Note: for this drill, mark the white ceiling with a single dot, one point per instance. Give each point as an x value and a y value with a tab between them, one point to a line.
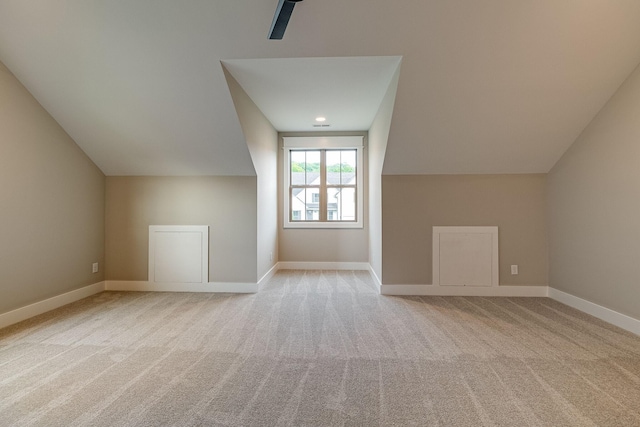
486	86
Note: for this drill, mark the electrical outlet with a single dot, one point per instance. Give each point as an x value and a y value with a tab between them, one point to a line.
514	269
94	267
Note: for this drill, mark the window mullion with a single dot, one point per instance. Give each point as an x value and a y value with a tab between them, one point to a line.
323	185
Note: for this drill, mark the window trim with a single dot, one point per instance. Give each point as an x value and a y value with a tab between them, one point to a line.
321	143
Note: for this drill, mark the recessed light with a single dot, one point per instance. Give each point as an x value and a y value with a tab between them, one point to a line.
320	119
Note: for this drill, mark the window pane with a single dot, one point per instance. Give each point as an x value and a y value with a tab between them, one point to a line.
348	167
297	203
312	167
341	204
305	167
341	167
304	206
333	167
312	207
298	167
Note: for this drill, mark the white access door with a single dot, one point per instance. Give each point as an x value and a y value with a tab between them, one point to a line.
178	254
465	256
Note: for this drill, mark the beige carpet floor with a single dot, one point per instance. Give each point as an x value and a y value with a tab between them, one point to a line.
317	348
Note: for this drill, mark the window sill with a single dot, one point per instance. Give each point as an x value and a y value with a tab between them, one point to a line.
323	225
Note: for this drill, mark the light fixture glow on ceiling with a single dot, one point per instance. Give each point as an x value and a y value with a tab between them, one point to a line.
320	119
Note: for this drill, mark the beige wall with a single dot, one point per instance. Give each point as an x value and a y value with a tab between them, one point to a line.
262	140
52	204
226	204
413	204
594	208
322	245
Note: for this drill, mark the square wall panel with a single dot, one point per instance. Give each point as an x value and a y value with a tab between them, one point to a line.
465	256
178	254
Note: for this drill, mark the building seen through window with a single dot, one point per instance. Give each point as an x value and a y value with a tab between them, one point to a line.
323	185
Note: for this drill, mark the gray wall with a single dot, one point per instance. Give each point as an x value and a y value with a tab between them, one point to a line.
262	140
322	245
226	204
52	204
594	208
413	204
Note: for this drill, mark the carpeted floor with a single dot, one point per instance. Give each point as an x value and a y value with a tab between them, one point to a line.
317	348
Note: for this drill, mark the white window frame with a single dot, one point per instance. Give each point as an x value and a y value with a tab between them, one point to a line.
324	142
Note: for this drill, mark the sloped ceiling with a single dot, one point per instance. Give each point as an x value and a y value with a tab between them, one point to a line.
487	86
292	92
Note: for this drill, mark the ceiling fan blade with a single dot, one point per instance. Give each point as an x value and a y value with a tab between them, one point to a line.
281	18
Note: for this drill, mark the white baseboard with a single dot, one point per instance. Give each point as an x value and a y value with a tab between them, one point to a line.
144	286
35	309
296	265
268	275
376	279
618	319
466	291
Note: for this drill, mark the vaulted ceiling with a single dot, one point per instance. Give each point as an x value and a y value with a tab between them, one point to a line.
486	86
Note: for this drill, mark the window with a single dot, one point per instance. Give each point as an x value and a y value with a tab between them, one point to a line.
323	178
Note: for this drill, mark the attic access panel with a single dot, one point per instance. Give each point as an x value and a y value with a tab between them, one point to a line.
465	256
